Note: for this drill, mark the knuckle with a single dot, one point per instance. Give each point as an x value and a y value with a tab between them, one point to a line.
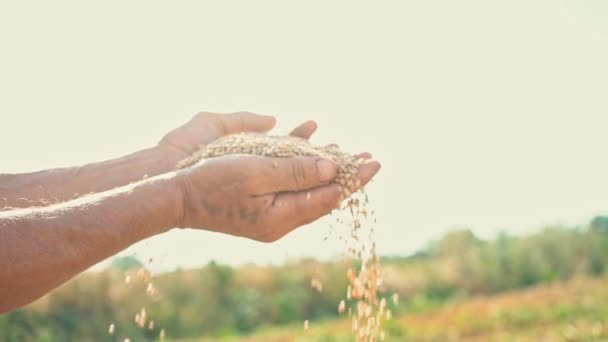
298	174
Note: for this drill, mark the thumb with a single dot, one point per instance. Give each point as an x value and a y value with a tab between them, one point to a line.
294	174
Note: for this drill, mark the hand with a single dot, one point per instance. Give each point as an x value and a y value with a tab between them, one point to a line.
204	128
258	197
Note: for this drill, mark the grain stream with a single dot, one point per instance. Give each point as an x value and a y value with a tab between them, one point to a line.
365	308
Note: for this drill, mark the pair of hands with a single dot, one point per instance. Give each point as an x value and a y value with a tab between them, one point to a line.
257	197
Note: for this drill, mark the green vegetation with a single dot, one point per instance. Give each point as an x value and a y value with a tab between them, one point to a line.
440	287
576	310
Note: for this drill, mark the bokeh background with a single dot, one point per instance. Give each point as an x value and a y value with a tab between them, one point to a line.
489	119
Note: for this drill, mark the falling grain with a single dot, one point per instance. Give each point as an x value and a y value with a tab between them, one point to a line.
150	290
365	283
317	285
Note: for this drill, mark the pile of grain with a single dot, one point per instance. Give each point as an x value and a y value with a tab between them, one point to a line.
281	147
364	306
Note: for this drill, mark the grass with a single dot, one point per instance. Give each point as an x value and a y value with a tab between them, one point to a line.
576	310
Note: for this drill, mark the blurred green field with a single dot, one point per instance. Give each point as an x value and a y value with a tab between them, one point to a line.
551	285
576	310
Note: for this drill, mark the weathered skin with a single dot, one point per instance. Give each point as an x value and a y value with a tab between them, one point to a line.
47	236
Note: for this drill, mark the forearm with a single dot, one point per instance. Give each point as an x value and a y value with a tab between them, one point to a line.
59	185
42	248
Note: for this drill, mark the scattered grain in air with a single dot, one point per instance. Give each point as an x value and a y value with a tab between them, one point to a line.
150	290
306	325
141	318
317	285
151	260
111	329
368	311
143	274
396	299
365	283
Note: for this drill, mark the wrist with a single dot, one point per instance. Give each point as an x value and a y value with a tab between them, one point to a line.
183	185
164	196
192	206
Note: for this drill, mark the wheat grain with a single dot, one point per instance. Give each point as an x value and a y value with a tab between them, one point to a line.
282	147
362	291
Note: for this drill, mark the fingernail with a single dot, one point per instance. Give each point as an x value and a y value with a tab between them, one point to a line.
378	166
326	170
375	166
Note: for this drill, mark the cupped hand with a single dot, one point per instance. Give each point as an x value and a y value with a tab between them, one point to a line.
205	127
261	198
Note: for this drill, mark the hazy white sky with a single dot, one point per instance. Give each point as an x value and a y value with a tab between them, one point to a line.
485	114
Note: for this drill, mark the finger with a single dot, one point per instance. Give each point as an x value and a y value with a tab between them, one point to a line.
364	155
290	174
240	122
294	209
305	130
367	171
247	122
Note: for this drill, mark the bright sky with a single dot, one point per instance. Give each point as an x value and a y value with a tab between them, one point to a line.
485	114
